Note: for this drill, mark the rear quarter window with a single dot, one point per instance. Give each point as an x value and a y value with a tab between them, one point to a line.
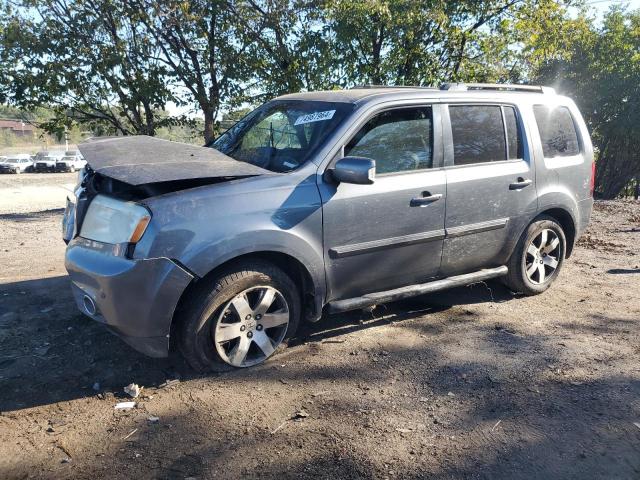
557	131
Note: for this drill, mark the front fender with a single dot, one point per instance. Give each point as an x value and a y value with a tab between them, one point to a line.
212	256
206	227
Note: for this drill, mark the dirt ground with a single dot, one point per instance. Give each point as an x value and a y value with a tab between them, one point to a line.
470	383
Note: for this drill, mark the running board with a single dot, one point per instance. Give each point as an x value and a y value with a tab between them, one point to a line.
413	290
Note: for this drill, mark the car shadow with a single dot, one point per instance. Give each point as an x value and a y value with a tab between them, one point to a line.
623	271
31	216
511	399
51	353
335	325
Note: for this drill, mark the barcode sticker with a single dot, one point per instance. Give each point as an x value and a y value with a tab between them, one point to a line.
315	117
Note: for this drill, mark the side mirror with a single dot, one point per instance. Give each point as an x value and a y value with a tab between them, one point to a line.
358	170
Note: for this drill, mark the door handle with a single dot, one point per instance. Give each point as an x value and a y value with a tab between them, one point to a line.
425	199
521	183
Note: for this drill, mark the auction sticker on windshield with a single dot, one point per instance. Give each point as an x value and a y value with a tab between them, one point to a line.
315	117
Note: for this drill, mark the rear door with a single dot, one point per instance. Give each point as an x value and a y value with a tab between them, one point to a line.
389	234
491	192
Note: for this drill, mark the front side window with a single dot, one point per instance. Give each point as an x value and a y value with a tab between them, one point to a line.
398	140
478	134
282	135
557	131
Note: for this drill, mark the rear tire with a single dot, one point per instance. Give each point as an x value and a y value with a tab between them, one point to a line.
538	257
224	321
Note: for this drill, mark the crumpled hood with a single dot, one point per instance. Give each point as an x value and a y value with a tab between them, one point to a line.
139	160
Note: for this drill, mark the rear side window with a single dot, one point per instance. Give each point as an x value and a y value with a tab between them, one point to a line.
398	140
478	134
557	131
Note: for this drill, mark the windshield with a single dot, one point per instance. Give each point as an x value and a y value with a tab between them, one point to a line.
12	160
281	135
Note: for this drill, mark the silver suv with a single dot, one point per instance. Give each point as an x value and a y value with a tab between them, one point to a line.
325	202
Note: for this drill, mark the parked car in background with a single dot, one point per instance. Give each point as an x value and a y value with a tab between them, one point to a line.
71	162
326	202
45	162
16	165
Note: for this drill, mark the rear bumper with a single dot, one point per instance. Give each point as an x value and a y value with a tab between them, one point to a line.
136	299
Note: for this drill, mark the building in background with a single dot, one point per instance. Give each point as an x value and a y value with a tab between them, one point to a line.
18	128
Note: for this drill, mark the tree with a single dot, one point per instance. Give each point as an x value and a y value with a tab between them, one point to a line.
404	42
289	46
601	70
89	60
200	48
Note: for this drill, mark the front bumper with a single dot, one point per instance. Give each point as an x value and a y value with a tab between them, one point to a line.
136	299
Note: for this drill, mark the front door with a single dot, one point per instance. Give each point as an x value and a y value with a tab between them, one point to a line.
389	234
491	192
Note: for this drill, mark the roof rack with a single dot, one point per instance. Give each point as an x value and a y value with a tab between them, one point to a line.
497	86
360	87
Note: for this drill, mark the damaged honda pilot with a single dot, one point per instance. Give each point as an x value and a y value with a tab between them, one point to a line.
324	202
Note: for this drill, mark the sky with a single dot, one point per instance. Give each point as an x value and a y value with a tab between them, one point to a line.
601	6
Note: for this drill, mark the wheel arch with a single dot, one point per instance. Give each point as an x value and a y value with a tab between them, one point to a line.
296	270
567	222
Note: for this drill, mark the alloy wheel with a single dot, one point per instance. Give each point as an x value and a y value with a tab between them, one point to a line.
251	326
543	256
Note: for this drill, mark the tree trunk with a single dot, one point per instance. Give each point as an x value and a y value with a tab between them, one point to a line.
209	124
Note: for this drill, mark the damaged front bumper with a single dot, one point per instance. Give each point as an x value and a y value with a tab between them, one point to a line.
136	299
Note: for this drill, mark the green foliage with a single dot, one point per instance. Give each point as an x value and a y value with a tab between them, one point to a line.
89	61
404	42
199	50
112	66
600	68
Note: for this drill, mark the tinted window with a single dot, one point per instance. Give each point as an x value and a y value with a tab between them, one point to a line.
398	140
514	138
557	131
478	134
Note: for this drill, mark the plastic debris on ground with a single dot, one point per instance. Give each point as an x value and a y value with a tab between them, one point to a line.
133	390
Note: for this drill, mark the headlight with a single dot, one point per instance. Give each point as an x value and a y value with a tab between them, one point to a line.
113	221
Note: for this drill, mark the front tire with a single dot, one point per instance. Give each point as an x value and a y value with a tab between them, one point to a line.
538	257
238	318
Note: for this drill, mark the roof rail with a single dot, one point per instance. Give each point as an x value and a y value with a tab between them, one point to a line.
359	87
497	86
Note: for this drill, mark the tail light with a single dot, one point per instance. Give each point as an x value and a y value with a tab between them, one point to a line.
592	186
